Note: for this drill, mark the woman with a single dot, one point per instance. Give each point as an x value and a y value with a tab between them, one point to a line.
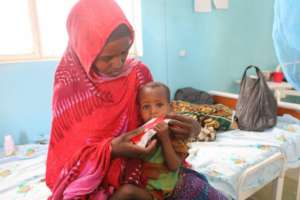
94	106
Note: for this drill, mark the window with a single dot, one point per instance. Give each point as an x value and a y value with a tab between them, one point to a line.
33	32
16	36
132	9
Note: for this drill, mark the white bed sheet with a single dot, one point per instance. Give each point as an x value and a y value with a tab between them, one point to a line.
22	176
224	160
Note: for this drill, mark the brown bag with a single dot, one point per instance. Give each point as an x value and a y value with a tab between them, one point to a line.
256	108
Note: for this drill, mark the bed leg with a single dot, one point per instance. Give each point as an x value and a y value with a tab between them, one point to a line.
298	186
278	187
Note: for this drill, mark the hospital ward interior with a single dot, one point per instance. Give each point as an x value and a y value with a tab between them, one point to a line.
233	71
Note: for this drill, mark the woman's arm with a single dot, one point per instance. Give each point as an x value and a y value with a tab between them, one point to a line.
173	161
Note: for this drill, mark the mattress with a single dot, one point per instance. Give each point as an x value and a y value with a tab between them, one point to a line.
225	160
22	176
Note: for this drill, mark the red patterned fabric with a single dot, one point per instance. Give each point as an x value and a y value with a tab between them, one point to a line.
88	110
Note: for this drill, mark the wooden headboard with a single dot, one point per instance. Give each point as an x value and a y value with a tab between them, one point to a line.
230	100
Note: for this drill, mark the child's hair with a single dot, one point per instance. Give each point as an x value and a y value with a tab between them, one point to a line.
153	85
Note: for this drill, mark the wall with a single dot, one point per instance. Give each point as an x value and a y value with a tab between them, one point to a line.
25	90
219	45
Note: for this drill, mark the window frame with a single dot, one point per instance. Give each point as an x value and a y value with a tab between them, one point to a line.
37	55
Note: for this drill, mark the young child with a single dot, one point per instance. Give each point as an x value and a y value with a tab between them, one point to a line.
155	176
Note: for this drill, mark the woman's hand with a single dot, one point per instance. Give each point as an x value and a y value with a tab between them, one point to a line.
122	146
182	126
162	131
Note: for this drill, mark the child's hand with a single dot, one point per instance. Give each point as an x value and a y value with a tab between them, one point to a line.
162	131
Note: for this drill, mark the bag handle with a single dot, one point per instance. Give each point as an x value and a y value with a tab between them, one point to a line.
260	76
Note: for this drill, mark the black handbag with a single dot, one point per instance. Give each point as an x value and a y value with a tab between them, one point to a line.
193	95
256	108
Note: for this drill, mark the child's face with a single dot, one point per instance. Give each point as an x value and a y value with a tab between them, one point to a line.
153	103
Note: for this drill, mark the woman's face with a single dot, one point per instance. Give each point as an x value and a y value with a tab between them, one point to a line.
111	60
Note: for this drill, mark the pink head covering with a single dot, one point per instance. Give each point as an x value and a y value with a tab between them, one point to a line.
89	27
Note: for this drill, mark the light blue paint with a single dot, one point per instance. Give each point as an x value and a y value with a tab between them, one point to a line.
219	45
154	38
25	90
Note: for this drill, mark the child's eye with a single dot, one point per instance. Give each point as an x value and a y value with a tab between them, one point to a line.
159	105
146	107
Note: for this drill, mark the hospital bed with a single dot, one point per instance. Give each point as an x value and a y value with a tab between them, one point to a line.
238	163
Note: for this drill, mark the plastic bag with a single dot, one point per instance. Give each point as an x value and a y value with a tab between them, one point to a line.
256	108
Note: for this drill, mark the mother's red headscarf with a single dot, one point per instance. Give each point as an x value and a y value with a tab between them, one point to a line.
88	111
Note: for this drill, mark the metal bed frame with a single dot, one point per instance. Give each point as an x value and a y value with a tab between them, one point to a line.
230	100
